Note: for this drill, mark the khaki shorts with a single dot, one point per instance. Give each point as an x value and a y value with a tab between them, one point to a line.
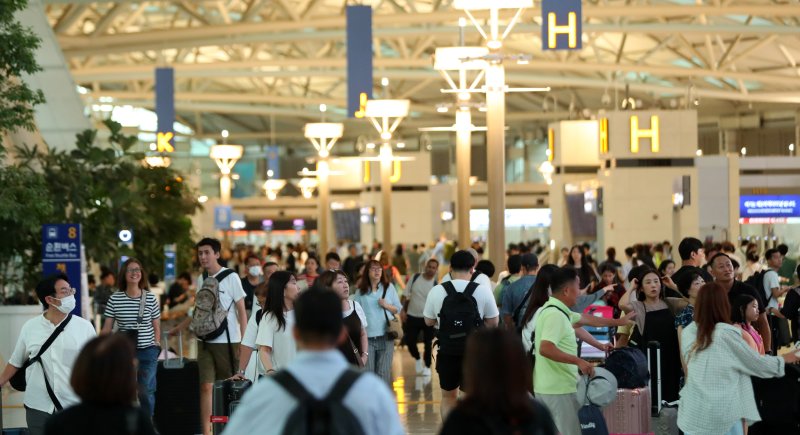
215	362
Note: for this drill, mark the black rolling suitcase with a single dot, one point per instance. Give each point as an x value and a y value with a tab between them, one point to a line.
225	398
11	431
177	408
778	401
665	415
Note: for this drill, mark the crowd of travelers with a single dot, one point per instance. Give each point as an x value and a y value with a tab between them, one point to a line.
318	334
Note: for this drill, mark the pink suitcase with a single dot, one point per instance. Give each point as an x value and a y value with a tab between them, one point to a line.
629	413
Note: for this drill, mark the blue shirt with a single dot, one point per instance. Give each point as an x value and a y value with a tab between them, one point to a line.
514	295
376	321
266	406
685	317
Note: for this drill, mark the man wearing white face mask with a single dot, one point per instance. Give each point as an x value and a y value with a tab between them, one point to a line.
251	280
48	388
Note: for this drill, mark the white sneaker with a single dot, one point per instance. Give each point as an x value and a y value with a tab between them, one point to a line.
426	371
419	366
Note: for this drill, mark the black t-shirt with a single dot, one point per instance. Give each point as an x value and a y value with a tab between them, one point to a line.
462	421
685	272
99	419
248	291
740	288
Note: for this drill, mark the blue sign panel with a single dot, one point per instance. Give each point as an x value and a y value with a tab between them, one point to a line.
222	217
273	161
769	206
61	253
359	59
170	258
561	25
165	109
245	186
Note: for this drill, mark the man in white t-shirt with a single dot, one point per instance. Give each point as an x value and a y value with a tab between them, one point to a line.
772	282
476	276
773	291
217	358
58	299
417	290
449	366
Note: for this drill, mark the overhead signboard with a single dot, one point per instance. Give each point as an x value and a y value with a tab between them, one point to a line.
561	25
757	208
359	59
61	253
165	110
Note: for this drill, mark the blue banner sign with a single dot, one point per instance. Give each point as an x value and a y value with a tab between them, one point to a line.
273	161
61	253
562	25
359	59
165	109
769	206
170	259
223	214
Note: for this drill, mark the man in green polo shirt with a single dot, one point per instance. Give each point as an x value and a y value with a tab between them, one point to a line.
557	364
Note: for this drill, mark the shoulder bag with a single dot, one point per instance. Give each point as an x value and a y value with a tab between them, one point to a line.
18	381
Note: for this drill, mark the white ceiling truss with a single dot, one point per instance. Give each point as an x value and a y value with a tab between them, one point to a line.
249	65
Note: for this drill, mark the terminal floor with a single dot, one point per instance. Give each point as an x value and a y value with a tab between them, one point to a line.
417	398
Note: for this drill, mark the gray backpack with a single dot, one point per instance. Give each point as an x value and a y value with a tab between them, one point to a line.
210	319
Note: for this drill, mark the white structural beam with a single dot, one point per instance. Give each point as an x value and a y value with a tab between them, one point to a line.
435	23
336	68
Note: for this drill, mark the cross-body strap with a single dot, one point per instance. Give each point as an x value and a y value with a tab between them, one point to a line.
292	386
38	358
48	342
385	314
342	386
521	304
142	303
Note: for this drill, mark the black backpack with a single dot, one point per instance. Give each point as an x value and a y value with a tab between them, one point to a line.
757	282
326	416
458	317
629	366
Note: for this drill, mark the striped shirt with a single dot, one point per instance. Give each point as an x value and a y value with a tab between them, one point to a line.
124	310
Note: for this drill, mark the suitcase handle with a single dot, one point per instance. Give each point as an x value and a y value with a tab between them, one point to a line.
172	363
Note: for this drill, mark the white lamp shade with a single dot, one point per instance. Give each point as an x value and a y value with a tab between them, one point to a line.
308	183
226	152
387	108
476	5
327	130
274	184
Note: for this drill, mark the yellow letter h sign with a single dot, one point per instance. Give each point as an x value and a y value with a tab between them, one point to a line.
637	134
571	29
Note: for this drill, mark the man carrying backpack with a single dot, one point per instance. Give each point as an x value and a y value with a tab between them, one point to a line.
457	307
516	295
318	392
219	320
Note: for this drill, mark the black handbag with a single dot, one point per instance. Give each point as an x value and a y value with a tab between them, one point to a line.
18	381
133	334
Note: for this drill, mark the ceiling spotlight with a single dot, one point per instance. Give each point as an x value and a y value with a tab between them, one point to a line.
441	109
225	134
323	108
385	81
370	145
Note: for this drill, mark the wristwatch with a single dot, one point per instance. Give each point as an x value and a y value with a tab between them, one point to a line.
241	372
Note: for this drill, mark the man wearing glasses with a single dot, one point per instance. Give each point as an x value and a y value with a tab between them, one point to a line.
48	388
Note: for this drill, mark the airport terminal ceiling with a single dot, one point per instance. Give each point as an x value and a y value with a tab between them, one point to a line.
261	68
